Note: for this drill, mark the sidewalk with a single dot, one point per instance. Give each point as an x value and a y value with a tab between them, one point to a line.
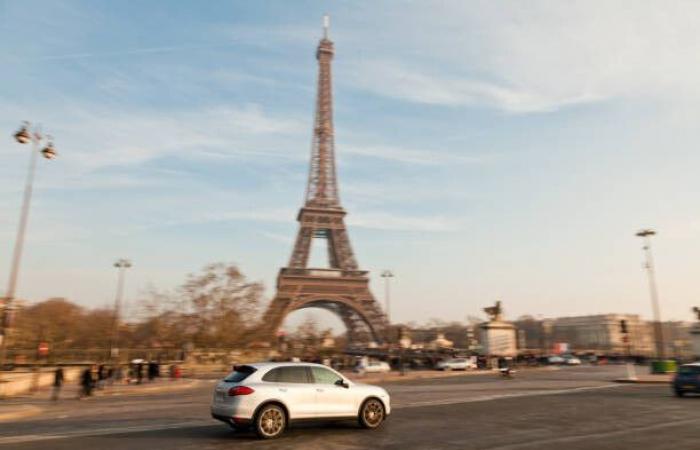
28	405
664	378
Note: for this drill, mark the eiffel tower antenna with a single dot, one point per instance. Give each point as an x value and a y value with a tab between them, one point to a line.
326	25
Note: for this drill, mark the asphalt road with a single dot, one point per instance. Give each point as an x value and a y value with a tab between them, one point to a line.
572	408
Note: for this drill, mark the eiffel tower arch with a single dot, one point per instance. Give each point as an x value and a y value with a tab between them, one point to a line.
342	288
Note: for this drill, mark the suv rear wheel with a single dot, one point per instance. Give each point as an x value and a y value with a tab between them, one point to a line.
270	422
372	413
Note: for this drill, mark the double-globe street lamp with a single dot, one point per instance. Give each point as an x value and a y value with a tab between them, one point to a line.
121	265
41	144
646	235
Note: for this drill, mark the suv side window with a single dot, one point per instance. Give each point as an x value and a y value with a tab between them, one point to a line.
289	374
324	376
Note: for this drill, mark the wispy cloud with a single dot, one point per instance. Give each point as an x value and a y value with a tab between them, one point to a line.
396	222
413	156
125	52
98	138
530	58
395	80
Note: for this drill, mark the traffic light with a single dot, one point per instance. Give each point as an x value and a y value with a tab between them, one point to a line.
623	326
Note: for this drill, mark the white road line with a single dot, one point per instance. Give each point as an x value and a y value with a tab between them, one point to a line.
102	432
487	398
596	435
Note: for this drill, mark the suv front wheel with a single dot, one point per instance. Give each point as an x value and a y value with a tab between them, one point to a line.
372	413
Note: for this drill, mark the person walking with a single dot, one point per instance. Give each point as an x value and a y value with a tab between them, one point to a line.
86	383
57	382
101	376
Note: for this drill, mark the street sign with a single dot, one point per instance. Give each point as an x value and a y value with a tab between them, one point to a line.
43	349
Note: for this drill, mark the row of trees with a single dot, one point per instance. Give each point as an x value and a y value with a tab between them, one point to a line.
218	307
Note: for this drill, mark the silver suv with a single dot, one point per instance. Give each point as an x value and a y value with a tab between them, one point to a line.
269	396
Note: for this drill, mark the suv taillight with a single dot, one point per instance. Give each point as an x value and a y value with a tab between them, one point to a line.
240	390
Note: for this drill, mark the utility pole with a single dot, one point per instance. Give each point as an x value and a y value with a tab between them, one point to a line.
387	275
121	265
649	266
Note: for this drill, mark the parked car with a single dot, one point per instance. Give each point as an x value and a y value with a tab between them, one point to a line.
372	367
270	396
687	379
555	359
456	364
571	360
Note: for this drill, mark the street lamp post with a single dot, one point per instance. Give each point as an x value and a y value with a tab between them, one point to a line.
24	135
121	265
646	235
387	275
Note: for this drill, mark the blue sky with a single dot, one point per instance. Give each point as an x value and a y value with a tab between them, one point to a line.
487	150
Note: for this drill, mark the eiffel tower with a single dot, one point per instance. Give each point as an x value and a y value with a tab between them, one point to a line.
342	288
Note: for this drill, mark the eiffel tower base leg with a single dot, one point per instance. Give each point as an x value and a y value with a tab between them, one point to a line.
347	296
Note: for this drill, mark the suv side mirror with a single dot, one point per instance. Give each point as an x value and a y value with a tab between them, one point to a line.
342	383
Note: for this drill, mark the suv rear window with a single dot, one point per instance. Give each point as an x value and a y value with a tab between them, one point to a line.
239	374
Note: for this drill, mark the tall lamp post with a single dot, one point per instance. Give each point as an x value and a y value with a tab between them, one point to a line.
387	275
121	265
40	144
646	235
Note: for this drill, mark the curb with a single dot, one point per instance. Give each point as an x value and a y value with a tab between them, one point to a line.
20	413
638	381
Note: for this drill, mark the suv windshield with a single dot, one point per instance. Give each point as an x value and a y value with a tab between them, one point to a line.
239	374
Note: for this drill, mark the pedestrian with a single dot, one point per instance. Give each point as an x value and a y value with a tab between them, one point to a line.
57	382
139	373
151	370
86	383
101	376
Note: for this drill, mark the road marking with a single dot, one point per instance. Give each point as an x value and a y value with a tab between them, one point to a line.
101	432
487	398
597	435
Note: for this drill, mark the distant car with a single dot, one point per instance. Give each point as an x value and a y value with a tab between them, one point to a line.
687	379
554	359
572	360
373	367
456	364
269	396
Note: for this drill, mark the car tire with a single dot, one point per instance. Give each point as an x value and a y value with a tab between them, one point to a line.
270	422
372	413
679	392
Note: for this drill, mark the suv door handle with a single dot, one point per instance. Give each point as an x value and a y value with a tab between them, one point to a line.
319	390
283	389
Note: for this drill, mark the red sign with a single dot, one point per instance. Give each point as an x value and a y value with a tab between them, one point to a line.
43	349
